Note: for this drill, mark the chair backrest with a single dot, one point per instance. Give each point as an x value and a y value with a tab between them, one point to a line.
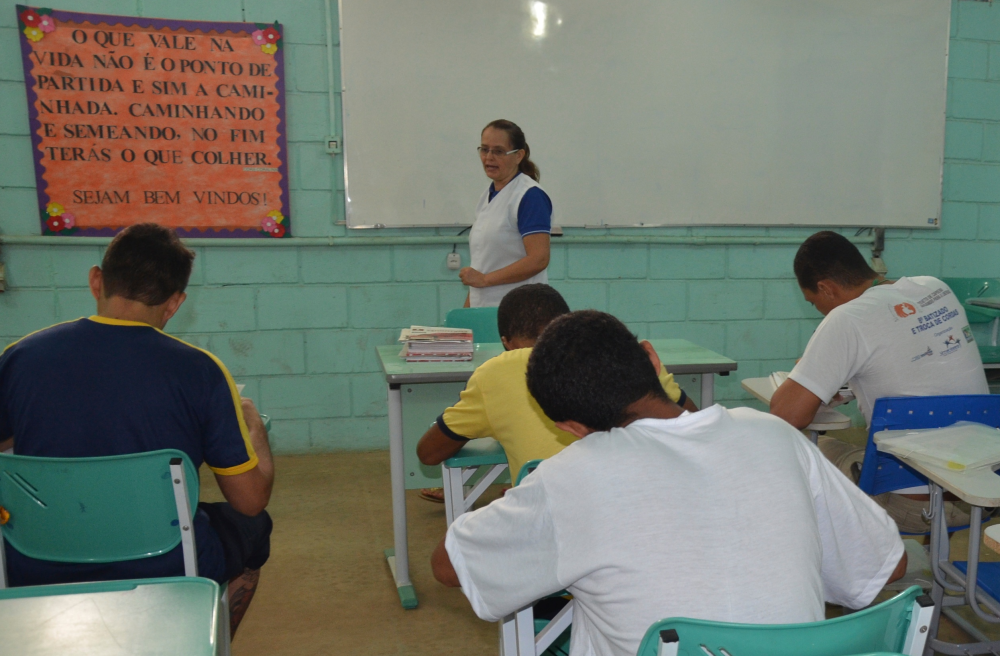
93	510
879	628
881	472
482	321
526	469
966	288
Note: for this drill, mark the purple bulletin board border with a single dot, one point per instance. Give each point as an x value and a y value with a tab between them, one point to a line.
205	27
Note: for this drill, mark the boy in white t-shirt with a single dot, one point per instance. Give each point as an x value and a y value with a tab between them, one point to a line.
727	515
908	337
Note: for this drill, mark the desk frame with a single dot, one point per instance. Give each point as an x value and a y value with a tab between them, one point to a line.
398	557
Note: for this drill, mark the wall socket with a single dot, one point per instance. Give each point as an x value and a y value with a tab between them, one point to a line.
454	261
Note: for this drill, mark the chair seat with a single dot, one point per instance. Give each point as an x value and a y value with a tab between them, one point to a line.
483	451
988	576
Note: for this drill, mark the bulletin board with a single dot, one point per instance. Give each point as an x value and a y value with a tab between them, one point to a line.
650	112
180	123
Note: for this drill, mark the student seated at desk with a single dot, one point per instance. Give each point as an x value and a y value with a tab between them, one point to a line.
725	515
908	337
116	384
496	402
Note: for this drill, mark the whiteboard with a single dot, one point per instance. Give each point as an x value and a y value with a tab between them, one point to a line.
650	112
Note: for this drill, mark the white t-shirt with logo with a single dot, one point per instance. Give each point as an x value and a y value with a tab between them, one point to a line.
728	515
910	338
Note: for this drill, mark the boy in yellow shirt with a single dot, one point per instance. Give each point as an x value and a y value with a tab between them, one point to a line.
496	402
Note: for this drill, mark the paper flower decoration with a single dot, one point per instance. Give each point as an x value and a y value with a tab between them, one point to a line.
54	209
56	224
279	231
30	18
46	24
68	220
269	48
258	37
276	215
33	33
268	224
271	35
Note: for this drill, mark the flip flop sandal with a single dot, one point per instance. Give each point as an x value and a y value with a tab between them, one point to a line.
435	494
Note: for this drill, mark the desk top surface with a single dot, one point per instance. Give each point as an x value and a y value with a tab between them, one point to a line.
163	617
979	487
679	356
826	418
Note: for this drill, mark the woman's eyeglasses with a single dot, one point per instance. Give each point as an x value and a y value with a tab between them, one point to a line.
496	152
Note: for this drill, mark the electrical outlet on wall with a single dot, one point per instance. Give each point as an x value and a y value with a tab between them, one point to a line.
454	261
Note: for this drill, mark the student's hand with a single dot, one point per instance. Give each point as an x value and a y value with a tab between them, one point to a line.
472	278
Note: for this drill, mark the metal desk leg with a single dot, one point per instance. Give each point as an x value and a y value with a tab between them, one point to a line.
707	390
993	331
399	557
814	437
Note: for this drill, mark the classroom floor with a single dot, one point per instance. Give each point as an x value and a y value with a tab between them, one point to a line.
327	588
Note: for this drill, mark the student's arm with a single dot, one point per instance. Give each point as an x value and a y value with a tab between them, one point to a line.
688	404
900	570
7	444
436	446
444	571
249	492
537	259
795	404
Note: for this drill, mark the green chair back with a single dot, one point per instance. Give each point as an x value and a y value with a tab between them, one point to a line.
93	510
526	469
881	628
482	321
966	288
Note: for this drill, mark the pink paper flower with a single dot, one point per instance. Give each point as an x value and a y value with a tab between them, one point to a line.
46	24
68	220
268	224
258	37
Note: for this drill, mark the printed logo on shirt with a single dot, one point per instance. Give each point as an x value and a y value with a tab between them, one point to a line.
937	294
967	331
943	332
929	351
952	344
904	310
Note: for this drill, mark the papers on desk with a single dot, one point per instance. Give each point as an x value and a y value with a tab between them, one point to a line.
988	302
965	446
436	344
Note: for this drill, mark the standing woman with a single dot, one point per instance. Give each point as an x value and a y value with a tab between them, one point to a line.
509	241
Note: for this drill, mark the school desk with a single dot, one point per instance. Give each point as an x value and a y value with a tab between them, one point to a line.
980	489
826	418
419	392
179	616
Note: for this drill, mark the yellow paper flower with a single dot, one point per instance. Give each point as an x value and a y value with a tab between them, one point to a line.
269	48
54	209
36	34
276	215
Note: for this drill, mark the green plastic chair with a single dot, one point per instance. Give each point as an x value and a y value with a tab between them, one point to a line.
899	625
99	510
182	615
482	321
967	288
460	490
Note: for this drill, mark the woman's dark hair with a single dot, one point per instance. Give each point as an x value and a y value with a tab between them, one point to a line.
517	140
588	367
525	311
147	263
830	256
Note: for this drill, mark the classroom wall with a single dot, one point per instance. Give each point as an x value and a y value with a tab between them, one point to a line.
299	324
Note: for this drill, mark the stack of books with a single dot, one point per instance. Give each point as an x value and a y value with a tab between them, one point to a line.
428	344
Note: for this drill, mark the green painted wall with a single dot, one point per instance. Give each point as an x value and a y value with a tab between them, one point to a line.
299	324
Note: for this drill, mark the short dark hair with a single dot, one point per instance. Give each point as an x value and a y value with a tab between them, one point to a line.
588	367
830	256
525	311
147	263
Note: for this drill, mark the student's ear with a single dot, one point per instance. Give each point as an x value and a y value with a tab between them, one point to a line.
653	357
172	305
95	281
827	288
574	428
506	344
